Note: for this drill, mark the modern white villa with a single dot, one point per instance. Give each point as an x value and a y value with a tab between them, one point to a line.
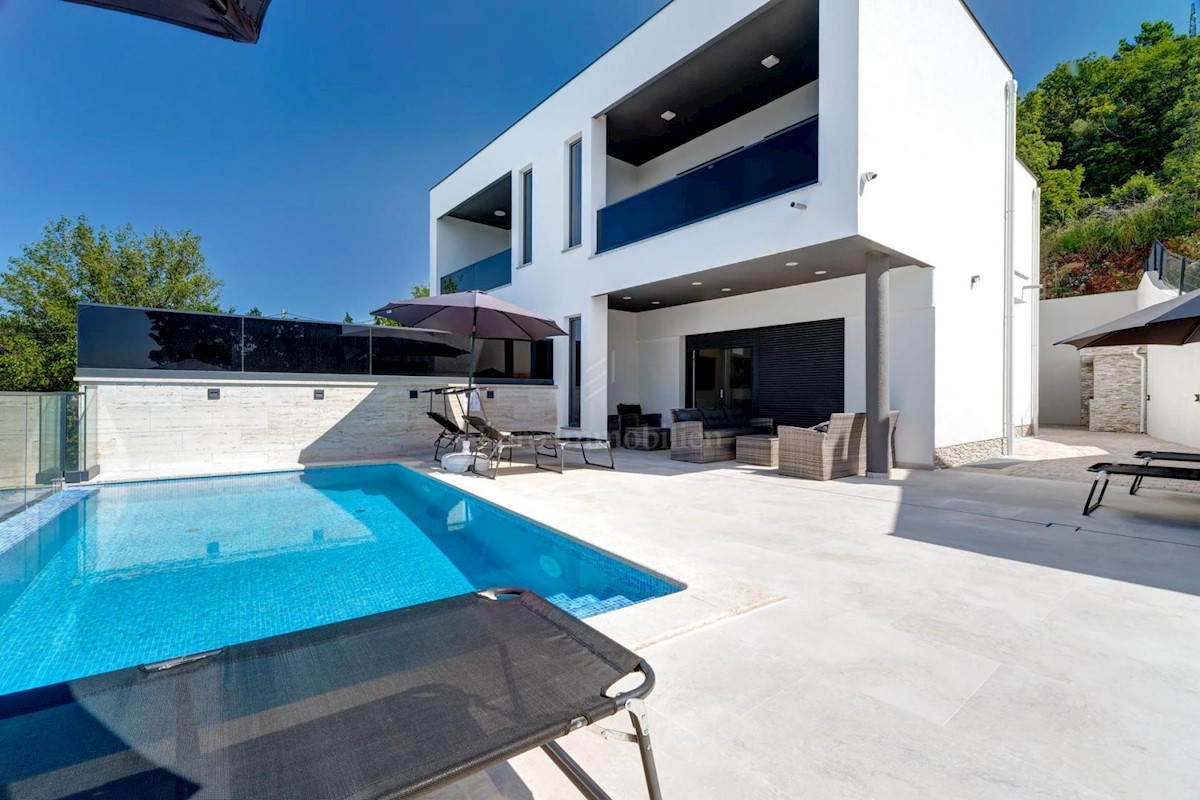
796	206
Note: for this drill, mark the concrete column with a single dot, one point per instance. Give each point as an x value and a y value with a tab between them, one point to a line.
594	367
878	365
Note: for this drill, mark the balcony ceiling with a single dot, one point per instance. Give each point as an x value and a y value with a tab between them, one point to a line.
483	205
838	259
720	82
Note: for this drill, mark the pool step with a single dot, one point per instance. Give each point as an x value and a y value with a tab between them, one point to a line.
589	604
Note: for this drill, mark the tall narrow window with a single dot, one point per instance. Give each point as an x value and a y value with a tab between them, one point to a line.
527	217
575	196
575	384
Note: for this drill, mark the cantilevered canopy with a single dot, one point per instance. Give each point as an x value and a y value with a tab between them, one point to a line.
239	20
1175	322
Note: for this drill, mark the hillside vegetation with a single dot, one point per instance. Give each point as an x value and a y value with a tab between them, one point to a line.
1115	143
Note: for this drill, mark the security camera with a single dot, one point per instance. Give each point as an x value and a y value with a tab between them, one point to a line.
869	176
799	206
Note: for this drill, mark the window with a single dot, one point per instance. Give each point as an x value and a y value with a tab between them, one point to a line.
527	217
575	194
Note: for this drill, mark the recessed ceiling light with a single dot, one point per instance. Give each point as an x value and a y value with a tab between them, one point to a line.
821	272
500	212
656	302
697	283
770	61
792	264
627	298
727	290
668	115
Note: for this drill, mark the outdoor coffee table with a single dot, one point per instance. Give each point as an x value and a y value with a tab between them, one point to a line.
759	449
644	437
561	443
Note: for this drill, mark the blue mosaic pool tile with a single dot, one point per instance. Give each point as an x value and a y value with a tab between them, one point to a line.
125	574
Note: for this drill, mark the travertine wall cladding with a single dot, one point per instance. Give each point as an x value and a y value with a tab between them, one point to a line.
1117	377
169	427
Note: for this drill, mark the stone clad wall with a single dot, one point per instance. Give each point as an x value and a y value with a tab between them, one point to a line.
147	427
1115	375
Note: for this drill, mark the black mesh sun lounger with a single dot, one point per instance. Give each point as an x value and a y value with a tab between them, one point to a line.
391	705
1104	471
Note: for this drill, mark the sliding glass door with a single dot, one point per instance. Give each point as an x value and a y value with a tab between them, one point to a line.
723	376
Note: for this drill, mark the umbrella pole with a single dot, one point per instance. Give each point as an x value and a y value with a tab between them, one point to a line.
471	368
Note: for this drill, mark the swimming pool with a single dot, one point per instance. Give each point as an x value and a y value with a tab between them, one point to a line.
95	579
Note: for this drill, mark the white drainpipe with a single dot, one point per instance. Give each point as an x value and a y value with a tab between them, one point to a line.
1010	156
1142	365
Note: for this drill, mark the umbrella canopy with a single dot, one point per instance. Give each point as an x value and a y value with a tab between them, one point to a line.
434	343
1175	322
239	20
476	314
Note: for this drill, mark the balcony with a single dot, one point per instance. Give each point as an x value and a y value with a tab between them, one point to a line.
483	275
780	163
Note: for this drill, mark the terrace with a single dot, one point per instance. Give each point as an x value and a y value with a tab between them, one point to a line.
950	633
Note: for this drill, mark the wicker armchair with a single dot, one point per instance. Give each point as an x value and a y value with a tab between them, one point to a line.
839	452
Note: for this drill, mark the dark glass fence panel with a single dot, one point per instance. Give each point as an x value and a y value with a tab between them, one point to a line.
483	275
781	163
393	353
112	337
273	345
135	338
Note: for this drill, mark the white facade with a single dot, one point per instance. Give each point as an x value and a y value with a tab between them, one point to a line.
1172	378
910	91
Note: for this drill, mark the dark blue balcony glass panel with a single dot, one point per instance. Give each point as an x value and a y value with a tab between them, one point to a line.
487	274
781	163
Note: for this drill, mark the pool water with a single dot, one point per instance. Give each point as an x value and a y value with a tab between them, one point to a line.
101	578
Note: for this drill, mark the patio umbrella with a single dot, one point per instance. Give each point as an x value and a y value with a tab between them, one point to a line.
474	314
1175	322
434	343
239	20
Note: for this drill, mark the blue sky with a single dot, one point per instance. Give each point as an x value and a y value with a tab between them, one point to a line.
305	161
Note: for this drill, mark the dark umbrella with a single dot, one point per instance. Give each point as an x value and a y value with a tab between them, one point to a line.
239	20
1175	322
474	314
434	343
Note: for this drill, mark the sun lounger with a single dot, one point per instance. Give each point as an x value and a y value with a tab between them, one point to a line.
1106	470
494	444
584	443
1166	455
450	435
397	704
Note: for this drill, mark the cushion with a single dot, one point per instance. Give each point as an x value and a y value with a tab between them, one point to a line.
737	414
629	408
728	432
822	427
713	416
686	415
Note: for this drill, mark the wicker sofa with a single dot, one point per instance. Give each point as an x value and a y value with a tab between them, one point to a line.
838	452
703	435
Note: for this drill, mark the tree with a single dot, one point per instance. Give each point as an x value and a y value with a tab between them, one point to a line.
420	290
73	263
347	320
254	311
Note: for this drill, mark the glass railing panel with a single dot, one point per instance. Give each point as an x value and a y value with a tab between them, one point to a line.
483	275
778	164
276	345
51	438
14	456
137	338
